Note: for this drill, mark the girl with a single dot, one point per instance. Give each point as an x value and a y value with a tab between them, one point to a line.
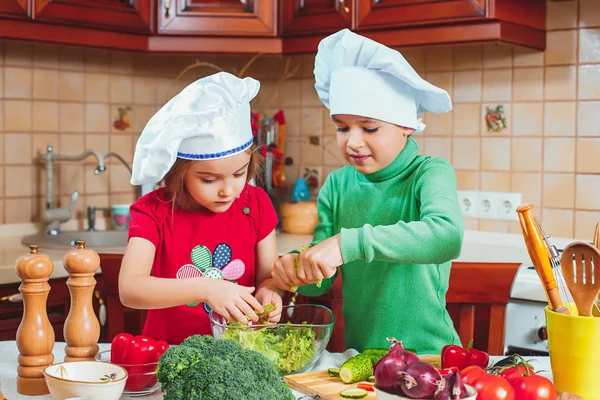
390	222
206	240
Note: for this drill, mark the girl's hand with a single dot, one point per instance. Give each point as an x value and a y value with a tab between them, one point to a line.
269	295
320	261
284	274
233	302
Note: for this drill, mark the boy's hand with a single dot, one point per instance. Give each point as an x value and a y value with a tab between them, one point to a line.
269	295
320	261
284	274
233	302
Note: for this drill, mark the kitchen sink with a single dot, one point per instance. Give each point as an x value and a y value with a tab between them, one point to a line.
65	240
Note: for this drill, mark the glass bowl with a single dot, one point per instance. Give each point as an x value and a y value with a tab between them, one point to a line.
294	344
142	377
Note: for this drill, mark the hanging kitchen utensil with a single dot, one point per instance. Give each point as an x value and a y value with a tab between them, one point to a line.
580	263
278	167
534	241
596	241
270	137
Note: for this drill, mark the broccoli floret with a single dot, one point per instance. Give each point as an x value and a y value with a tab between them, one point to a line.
203	368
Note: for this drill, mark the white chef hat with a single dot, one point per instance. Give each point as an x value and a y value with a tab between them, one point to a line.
209	119
358	76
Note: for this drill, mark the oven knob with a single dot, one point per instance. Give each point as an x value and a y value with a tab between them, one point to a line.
542	333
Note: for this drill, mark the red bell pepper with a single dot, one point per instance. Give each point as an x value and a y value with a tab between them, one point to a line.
118	346
460	357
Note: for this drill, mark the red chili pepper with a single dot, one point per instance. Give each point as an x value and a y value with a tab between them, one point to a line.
448	371
366	386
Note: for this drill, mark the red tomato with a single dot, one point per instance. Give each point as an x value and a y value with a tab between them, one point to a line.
514	373
534	387
469	374
117	347
493	387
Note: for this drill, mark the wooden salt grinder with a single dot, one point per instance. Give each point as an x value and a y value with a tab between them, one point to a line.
35	335
82	329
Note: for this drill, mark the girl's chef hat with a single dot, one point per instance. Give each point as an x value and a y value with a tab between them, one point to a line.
208	119
356	75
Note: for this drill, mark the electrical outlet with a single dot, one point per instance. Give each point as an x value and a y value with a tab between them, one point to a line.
507	206
487	207
468	201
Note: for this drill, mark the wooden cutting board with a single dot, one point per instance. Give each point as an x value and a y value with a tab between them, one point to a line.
329	388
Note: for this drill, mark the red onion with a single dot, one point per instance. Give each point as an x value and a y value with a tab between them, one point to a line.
420	380
453	388
387	368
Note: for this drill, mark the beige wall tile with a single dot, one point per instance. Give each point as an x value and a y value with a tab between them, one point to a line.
529	184
495	181
18	54
589	82
526	154
309	94
585	224
17	210
18	83
467	57
144	90
527	119
588	192
39	146
528	84
467	86
17	147
438	59
589	14
559	155
123	146
588	151
495	154
70	178
122	198
466	153
97	60
494	226
119	179
560	83
559	119
561	47
558	190
589	45
497	85
121	62
466	119
497	56
440	79
420	141
438	124
71	85
17	115
45	84
70	58
100	143
1	115
311	120
524	57
438	147
467	180
45	116
561	14
587	124
97	117
18	180
71	117
138	117
165	90
97	87
96	183
558	223
331	153
329	127
45	56
121	89
292	149
310	154
414	56
70	144
99	201
290	93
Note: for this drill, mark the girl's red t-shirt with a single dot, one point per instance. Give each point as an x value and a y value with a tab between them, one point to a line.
191	243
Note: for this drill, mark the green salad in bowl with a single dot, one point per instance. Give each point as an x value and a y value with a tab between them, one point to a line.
293	345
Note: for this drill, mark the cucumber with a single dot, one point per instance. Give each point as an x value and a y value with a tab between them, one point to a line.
371	379
354	393
333	372
356	369
375	353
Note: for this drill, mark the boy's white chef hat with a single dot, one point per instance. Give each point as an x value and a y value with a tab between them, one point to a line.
209	119
358	76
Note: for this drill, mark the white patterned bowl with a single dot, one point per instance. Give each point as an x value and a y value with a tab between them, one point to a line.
88	379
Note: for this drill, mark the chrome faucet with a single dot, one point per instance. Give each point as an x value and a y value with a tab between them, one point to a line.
53	217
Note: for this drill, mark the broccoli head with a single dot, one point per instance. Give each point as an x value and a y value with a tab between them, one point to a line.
204	368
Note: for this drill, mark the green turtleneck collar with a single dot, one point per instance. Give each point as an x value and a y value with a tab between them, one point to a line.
403	160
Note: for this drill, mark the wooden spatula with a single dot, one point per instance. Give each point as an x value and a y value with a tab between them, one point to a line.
580	262
597	236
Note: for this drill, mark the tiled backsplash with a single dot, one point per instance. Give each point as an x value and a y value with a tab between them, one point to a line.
549	151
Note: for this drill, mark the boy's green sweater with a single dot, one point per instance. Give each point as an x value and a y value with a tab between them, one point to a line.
399	227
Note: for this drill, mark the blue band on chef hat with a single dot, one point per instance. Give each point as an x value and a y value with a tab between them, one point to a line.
221	154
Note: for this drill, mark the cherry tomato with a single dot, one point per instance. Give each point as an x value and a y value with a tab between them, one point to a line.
469	374
493	387
534	387
514	373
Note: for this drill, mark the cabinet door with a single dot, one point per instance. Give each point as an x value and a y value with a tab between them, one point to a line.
218	17
134	16
13	8
315	16
378	14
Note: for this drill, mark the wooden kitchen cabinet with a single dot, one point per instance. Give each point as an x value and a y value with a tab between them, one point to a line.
134	16
302	17
14	9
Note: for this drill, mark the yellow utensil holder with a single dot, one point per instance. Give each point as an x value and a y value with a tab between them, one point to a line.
574	346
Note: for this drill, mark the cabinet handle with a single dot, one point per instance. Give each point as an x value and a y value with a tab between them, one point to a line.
167	7
13	298
344	7
101	309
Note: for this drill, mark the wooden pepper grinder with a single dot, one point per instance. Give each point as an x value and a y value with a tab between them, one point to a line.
82	329
35	335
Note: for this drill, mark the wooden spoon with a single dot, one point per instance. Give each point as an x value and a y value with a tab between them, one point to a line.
597	236
580	262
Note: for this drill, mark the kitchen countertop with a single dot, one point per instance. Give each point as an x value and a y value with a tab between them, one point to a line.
478	246
9	354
